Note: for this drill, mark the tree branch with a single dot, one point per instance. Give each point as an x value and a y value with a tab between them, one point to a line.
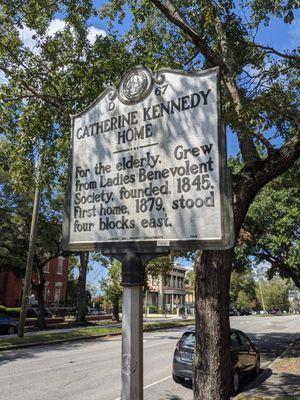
247	146
265	142
271	50
174	16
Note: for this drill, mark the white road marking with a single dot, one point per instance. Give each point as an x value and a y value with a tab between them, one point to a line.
152	384
161	380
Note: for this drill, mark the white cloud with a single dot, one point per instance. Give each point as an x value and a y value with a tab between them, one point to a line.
94	32
27	35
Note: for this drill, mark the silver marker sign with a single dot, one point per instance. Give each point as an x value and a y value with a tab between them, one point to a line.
148	166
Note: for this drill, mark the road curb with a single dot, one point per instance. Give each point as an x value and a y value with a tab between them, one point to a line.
82	338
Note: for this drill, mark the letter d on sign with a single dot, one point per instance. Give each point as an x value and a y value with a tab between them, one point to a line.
111	106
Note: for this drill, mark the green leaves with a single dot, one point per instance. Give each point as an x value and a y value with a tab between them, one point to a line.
273	224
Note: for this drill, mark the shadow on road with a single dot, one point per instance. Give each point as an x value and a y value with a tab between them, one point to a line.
34	352
271	345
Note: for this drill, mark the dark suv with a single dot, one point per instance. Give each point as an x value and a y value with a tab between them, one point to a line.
245	357
7	325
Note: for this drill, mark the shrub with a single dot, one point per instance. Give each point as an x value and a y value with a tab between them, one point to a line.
11	312
152	309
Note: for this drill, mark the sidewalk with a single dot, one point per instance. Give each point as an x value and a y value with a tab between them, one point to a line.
280	381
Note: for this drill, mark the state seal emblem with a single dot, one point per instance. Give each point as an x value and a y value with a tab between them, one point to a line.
135	86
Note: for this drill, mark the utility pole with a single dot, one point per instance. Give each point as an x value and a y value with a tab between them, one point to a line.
258	273
261	295
28	274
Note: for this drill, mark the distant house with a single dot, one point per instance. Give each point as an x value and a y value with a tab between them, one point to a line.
56	274
170	294
189	296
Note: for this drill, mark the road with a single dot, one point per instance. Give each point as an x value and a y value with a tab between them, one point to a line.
91	370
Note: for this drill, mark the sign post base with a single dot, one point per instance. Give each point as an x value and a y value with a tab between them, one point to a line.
132	327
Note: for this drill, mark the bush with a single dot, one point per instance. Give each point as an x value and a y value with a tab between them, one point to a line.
152	309
181	311
11	312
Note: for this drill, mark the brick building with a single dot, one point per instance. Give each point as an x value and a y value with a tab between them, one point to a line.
56	274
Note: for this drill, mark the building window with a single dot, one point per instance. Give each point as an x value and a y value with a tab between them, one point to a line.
47	268
46	291
57	292
60	264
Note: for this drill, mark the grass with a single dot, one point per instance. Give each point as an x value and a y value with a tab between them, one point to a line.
83	332
49	337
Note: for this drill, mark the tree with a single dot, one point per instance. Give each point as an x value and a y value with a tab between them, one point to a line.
259	106
190	278
111	287
275	294
78	291
15	209
273	226
62	73
242	288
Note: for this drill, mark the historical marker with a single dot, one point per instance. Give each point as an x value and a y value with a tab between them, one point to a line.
148	165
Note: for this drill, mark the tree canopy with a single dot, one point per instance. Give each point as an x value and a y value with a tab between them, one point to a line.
273	228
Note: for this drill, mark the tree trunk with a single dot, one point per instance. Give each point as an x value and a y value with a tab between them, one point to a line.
40	288
116	311
211	374
81	306
41	322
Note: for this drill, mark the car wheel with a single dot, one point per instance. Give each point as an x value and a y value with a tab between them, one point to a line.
178	379
11	330
235	382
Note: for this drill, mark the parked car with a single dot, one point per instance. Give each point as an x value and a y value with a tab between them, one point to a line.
93	311
245	358
7	325
233	312
245	311
32	312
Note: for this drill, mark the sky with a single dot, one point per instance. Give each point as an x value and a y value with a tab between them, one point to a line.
279	35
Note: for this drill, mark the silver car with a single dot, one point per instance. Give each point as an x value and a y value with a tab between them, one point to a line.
245	358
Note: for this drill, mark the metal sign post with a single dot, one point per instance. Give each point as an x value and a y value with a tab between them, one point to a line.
132	327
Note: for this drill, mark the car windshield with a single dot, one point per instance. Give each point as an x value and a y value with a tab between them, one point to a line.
188	339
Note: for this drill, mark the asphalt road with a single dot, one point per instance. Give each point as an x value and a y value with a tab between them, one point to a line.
91	370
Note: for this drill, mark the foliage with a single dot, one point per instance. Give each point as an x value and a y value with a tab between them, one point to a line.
159	267
111	287
273	227
15	212
11	312
243	300
60	76
190	278
275	294
242	288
